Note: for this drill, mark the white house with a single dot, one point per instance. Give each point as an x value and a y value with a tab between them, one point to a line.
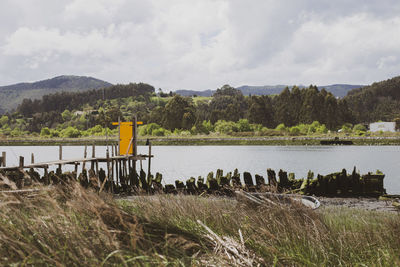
382	126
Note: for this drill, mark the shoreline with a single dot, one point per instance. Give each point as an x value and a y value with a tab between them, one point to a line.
206	141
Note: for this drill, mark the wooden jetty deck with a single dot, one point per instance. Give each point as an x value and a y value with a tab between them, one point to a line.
78	161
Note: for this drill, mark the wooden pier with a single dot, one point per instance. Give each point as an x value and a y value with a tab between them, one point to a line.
120	168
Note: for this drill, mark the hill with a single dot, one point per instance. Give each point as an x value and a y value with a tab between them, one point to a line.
338	90
12	95
378	101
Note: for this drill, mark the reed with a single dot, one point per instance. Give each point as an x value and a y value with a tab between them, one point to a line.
67	225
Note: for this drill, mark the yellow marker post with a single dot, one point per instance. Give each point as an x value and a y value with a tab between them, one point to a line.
126	137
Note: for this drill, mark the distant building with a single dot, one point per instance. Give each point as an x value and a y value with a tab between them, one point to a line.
382	126
84	112
79	113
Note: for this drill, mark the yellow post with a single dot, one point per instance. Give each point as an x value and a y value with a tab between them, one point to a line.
126	137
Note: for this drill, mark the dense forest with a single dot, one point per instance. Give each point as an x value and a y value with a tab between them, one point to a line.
93	111
379	101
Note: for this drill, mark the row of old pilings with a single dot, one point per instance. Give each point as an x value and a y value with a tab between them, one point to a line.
335	184
339	184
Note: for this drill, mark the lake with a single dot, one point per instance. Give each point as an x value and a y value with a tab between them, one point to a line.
183	162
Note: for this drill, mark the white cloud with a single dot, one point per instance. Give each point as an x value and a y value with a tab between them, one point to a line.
28	42
201	44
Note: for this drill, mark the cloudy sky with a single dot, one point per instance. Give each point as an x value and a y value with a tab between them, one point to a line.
202	44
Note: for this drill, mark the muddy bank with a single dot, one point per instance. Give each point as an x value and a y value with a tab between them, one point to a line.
372	204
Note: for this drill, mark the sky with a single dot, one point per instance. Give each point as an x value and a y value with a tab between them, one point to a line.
201	44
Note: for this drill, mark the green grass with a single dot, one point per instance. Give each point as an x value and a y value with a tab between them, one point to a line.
201	98
71	226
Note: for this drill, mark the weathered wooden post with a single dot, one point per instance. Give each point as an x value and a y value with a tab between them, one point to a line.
218	175
149	159
134	151
283	179
76	170
180	186
97	167
212	182
248	181
157	183
191	186
46	175
93	156
21	161
32	158
116	171
124	172
109	178
143	180
60	156
3	156
200	184
135	137
260	181
84	156
272	178
60	152
170	188
112	171
236	179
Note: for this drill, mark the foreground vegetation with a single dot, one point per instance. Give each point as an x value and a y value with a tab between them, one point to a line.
69	225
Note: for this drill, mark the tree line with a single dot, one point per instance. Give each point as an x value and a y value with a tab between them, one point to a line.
293	106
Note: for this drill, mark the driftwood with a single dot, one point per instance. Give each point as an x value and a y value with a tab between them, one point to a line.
234	251
278	199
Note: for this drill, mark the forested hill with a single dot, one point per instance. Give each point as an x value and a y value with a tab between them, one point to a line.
12	95
379	101
338	90
48	110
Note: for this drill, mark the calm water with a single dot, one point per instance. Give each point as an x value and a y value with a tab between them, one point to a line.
182	162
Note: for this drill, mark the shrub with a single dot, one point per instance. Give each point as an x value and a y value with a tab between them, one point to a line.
295	130
225	127
281	127
54	133
45	132
359	127
70	132
158	132
243	125
322	129
148	129
346	128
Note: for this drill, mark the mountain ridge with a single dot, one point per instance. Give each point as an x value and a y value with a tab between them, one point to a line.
338	90
12	95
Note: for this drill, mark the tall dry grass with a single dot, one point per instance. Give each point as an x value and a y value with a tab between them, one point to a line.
282	235
71	226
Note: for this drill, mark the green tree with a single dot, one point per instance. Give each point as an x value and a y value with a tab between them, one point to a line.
66	115
261	111
228	104
179	113
283	110
3	120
